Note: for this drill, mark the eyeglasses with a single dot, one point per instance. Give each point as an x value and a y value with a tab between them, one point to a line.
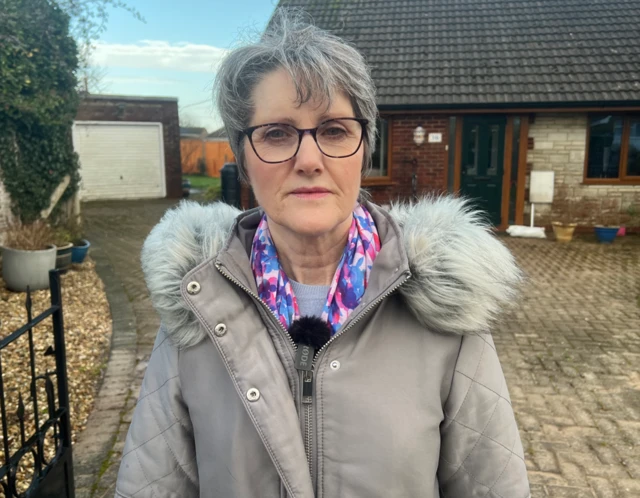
279	142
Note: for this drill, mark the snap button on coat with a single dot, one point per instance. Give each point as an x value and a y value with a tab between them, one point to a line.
253	394
335	365
220	330
193	288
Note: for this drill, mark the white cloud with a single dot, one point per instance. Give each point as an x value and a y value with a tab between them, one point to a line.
156	54
144	81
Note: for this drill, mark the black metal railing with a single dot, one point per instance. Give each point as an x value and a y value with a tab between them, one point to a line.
42	466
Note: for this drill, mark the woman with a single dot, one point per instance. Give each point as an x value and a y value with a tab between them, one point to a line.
320	346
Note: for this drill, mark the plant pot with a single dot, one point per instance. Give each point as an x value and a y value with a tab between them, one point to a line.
606	235
79	252
63	257
22	269
622	231
563	233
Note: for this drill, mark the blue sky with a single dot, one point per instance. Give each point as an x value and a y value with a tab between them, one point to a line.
174	54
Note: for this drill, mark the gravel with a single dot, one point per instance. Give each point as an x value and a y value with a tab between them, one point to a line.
87	325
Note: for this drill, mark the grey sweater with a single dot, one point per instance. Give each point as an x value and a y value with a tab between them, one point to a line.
311	298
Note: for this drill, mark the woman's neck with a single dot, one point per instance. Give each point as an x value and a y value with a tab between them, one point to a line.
310	260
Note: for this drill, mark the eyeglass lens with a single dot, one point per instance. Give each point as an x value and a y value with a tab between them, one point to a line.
335	138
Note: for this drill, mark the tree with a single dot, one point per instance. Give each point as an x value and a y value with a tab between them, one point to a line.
38	102
91	79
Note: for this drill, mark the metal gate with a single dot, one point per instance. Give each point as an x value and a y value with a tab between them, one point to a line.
44	445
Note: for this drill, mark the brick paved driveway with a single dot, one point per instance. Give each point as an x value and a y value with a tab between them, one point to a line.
571	354
570	351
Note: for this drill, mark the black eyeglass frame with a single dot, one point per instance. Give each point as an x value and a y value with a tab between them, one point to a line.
248	132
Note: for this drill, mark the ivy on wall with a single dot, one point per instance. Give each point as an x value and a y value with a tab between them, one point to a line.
38	102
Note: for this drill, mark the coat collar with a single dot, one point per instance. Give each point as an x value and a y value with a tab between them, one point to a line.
461	275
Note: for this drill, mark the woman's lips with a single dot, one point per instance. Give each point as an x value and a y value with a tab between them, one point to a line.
310	193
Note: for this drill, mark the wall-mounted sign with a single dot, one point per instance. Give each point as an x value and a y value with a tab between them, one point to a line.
435	138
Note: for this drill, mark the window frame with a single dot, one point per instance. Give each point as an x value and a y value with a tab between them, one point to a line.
387	179
623	178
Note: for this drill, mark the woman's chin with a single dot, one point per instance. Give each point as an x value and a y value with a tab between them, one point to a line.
312	228
314	222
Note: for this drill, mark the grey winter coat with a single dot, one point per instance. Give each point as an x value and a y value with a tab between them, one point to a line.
409	397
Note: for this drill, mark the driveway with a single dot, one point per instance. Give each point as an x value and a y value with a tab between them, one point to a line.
570	351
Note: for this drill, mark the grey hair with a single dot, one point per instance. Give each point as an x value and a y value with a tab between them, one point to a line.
319	64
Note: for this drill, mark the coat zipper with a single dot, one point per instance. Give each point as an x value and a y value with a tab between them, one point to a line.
306	379
309	441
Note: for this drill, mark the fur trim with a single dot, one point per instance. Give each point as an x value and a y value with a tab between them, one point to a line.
462	276
185	237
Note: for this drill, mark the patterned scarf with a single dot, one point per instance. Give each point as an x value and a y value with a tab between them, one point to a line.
349	281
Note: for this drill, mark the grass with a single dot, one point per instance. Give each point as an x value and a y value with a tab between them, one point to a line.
201	182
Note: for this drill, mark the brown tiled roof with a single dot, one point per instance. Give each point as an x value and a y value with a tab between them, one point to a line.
491	52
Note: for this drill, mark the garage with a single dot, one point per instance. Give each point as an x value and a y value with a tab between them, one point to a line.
129	147
120	160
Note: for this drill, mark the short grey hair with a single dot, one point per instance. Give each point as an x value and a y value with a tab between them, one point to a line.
319	64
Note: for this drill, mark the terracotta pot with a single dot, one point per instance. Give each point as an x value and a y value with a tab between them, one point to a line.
563	233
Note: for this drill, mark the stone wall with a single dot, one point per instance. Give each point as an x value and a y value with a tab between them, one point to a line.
143	109
559	144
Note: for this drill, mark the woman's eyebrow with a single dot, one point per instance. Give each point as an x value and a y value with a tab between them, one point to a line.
294	122
281	119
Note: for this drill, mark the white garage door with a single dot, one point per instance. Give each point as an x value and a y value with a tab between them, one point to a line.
120	160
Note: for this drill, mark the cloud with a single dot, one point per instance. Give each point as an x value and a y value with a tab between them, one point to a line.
156	54
144	81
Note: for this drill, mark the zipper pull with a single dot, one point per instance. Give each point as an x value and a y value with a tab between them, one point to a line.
304	357
307	387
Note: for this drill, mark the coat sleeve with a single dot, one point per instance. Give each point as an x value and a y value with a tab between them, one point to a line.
158	460
481	453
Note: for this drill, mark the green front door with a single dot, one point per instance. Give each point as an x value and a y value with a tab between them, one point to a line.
482	163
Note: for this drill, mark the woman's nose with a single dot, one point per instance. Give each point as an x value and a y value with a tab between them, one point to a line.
309	158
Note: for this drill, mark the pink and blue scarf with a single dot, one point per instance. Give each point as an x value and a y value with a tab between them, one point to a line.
349	281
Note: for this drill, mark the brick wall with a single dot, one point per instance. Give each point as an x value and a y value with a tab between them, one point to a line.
143	109
429	161
559	145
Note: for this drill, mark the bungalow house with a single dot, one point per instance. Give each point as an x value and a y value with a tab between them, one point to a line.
501	89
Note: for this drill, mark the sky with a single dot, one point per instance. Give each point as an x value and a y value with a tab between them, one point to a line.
174	53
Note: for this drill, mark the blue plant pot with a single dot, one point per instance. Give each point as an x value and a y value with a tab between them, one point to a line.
606	235
78	253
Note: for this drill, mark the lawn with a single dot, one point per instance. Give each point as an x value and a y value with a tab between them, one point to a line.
201	182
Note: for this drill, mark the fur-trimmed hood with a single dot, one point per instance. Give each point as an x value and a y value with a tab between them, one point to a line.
462	276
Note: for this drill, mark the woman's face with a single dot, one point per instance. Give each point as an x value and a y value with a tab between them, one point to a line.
277	186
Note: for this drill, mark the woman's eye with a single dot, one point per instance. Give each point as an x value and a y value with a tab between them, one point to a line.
334	131
276	133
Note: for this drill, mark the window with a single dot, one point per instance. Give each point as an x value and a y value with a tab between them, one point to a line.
614	149
380	159
633	152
